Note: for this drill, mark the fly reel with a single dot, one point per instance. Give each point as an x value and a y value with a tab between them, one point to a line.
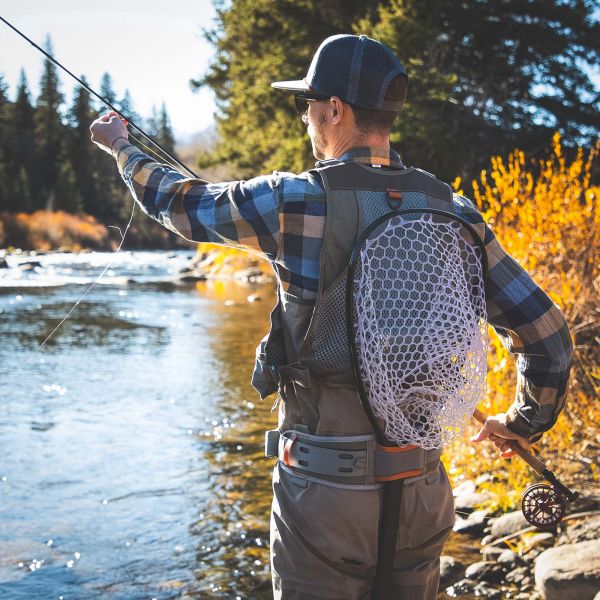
543	504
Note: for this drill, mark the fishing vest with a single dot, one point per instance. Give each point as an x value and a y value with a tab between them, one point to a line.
306	356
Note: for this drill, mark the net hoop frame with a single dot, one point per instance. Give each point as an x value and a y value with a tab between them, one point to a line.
379	433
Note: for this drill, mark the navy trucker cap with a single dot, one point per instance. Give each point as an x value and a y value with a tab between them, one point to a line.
355	68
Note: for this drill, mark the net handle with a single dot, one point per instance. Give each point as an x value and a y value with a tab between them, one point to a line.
379	433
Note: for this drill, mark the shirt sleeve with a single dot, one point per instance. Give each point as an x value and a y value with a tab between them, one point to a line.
531	326
242	214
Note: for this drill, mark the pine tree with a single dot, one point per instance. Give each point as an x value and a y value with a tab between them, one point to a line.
5	145
106	89
159	128
489	77
22	191
67	196
165	131
48	133
23	122
485	77
125	106
257	42
81	152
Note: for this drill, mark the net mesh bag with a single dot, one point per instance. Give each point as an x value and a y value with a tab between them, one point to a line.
420	327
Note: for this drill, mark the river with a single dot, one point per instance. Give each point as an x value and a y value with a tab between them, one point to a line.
131	443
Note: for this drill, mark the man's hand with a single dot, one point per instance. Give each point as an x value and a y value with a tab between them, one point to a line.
496	431
106	129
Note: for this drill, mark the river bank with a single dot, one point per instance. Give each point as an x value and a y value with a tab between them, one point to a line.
51	231
517	560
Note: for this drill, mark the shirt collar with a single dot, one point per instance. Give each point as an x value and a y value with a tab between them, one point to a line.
385	157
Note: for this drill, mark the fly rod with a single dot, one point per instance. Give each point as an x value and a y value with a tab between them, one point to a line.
102	99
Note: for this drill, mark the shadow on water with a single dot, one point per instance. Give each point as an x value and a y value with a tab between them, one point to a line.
91	324
133	445
237	516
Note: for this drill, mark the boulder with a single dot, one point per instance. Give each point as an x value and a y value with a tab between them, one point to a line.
518	576
569	572
480	590
474	524
581	530
466	487
509	559
485	570
468	502
508	524
491	552
450	570
544	539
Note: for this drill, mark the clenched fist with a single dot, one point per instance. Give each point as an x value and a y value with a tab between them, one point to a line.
106	129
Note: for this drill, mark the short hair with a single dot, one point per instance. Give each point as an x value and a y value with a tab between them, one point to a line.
369	120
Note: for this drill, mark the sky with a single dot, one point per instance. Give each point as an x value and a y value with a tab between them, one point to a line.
151	47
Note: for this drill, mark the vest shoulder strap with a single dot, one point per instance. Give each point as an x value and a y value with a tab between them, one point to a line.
356	176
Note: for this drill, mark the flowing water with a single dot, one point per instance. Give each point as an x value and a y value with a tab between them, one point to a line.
131	444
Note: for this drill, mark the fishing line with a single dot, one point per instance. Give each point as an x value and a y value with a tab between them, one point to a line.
172	161
102	99
87	291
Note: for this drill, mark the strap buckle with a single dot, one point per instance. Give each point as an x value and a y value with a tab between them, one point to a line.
287	449
388	459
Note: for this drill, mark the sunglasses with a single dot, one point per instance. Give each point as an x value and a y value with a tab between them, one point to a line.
303	99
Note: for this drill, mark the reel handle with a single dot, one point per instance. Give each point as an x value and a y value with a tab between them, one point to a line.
535	463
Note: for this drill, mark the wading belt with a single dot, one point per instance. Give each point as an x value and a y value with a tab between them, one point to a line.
349	460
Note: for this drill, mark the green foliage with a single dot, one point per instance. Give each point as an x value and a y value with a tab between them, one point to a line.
24	147
4	129
257	42
48	129
47	159
159	127
485	77
82	154
489	76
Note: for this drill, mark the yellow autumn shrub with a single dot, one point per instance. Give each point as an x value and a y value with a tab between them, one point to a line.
49	230
546	216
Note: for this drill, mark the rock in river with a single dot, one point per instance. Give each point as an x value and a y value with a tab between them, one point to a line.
569	572
509	523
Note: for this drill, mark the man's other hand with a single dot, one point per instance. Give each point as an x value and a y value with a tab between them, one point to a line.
496	431
106	129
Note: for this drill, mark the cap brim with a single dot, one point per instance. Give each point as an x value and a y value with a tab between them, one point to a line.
292	86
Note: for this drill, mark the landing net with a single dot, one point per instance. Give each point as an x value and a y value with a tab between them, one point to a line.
420	327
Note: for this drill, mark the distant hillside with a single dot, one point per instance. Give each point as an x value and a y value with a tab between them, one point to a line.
188	147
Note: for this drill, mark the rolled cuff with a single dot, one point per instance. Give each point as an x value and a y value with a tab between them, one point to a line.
518	424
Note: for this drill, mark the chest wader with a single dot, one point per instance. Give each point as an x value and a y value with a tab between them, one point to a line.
324	433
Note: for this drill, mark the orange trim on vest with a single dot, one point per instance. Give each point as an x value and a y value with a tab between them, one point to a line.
396	449
400	475
394	194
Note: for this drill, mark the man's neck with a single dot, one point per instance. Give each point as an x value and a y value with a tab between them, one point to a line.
371	140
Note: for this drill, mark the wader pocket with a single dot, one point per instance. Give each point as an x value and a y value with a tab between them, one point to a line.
427	511
336	526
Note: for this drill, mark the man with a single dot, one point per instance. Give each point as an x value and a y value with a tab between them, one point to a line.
324	526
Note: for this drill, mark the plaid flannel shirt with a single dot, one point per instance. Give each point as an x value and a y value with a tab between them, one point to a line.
282	218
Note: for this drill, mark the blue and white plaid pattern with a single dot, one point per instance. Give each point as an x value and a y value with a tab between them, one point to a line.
282	217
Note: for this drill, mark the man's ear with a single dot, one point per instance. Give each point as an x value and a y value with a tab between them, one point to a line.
337	110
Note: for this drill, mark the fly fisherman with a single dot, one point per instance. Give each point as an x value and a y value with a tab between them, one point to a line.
325	522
